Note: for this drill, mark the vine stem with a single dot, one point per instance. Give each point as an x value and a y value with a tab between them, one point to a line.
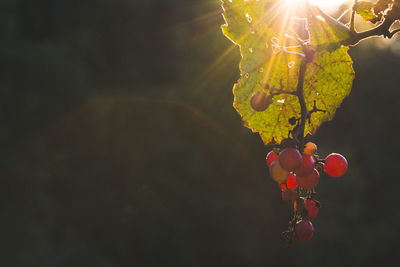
355	37
303	107
382	29
353	13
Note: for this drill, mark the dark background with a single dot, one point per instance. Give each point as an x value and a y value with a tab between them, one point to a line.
120	145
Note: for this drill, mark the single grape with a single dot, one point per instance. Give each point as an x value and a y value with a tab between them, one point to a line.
311	209
291	181
290	194
308	182
306	167
260	101
304	230
310	149
282	185
290	159
335	165
271	157
277	172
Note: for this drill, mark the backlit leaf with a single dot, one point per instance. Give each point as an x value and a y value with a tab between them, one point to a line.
365	10
260	29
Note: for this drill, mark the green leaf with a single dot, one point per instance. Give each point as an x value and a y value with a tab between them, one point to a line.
259	28
326	32
365	10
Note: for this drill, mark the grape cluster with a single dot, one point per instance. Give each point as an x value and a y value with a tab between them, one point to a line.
297	175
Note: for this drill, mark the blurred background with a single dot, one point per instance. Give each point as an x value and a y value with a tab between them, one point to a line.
120	145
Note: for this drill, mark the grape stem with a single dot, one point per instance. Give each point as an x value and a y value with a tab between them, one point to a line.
343	14
315	109
275	91
382	29
299	135
304	112
353	13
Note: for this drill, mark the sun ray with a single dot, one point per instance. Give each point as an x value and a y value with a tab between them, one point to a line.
327	3
205	75
280	13
288	14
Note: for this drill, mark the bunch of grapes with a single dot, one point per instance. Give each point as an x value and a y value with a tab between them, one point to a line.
297	175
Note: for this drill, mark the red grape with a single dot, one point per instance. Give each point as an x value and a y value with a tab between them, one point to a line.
291	181
277	173
282	185
335	165
271	157
290	159
306	167
310	149
290	194
260	101
304	230
308	182
311	208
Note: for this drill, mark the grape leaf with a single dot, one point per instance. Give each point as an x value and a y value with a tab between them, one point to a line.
326	32
365	10
259	28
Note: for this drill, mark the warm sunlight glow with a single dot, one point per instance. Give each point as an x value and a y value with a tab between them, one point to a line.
327	3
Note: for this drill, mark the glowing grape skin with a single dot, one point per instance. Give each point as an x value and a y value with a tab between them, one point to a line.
282	185
306	167
271	157
335	165
277	172
311	208
310	149
308	182
290	159
291	181
308	208
304	230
